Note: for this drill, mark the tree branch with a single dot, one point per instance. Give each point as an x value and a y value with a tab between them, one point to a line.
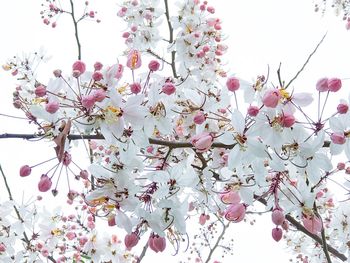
75	22
143	253
171	38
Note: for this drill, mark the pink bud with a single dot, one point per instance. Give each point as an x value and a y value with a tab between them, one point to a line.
199	118
159	244
44	183
322	85
334	84
206	49
2	247
313	224
84	174
168	88
338	138
57	73
67	159
91	14
99	95
98	65
277	217
253	111
125	35
342	108
131	240
202	219
97	76
231	197
88	101
271	98
134	59
79	67
52	107
111	221
135	88
211	9
232	84
347	25
235	212
153	65
202	142
25	170
133	28
71	235
40	91
341	166
287	120
277	234
83	240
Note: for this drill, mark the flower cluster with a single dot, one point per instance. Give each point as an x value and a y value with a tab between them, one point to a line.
168	139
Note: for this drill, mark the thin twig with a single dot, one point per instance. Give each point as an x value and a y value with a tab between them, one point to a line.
75	22
306	62
171	38
143	253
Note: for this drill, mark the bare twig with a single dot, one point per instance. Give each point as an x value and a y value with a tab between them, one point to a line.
171	38
143	253
75	22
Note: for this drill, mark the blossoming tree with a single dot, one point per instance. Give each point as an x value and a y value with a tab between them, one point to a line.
173	138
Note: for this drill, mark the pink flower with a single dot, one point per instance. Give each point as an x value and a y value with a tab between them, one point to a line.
83	240
131	240
287	120
235	212
322	85
45	183
271	98
157	243
202	142
253	110
134	59
52	107
40	91
313	224
199	118
78	68
232	84
334	84
99	95
153	65
97	76
135	87
71	235
277	217
338	138
88	101
168	88
25	170
342	108
231	197
277	234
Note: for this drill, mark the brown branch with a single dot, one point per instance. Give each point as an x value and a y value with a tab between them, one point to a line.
143	253
75	22
301	228
171	38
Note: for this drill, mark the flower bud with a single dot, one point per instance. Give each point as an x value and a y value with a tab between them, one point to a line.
135	88
40	91
78	68
202	219
84	174
199	118
312	223
271	98
157	243
153	65
131	240
253	111
97	76
338	138
322	85
231	197
334	84
2	248
52	107
168	88
88	101
99	95
45	183
341	166
25	170
342	108
235	212
232	84
287	120
277	234
111	221
98	66
277	217
202	142
57	73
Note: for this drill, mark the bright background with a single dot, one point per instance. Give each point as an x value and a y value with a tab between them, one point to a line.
259	33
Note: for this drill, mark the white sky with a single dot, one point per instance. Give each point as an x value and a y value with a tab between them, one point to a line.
260	33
